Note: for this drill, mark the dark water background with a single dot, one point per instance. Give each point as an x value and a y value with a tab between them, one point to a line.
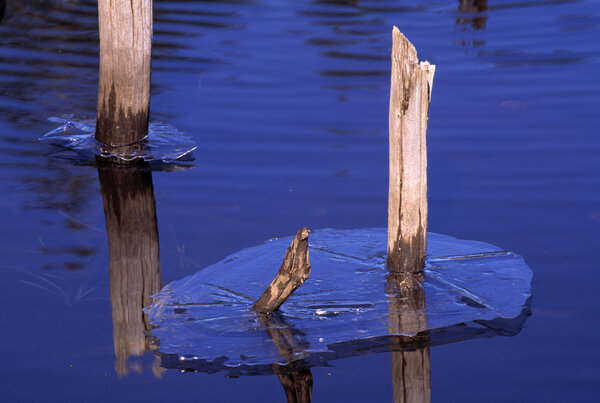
287	102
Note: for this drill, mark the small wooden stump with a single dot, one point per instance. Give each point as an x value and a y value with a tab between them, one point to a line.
292	273
124	85
410	93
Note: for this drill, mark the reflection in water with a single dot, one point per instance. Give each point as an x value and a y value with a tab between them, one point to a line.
471	14
134	266
411	367
471	18
477	21
296	381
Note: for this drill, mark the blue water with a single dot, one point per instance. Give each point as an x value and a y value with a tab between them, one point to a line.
287	102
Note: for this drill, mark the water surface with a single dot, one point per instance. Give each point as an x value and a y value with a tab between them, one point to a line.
287	102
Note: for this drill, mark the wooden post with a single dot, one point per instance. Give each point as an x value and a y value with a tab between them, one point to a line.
134	260
292	273
410	93
124	84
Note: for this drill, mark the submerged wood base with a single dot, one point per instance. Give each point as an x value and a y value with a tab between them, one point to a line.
292	273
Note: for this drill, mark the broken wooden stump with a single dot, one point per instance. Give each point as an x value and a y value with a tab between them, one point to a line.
292	273
410	93
124	85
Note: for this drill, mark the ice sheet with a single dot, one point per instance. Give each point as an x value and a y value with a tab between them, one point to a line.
164	143
206	319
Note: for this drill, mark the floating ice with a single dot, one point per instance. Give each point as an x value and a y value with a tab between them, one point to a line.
471	289
164	143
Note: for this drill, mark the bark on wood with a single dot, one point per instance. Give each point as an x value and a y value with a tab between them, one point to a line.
410	92
292	273
124	86
134	260
411	367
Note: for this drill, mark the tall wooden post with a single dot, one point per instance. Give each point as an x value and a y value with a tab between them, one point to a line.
134	260
410	93
124	86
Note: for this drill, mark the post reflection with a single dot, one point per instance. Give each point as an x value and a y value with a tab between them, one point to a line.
472	6
134	260
411	365
2	9
296	381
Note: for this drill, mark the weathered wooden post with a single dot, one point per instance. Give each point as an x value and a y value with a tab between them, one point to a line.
410	94
124	85
407	203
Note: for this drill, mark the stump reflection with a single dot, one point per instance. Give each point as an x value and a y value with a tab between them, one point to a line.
411	366
296	381
134	261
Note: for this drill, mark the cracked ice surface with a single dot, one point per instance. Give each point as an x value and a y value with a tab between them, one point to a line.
208	315
164	143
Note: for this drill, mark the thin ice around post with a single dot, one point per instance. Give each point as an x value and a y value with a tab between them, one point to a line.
164	143
206	320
